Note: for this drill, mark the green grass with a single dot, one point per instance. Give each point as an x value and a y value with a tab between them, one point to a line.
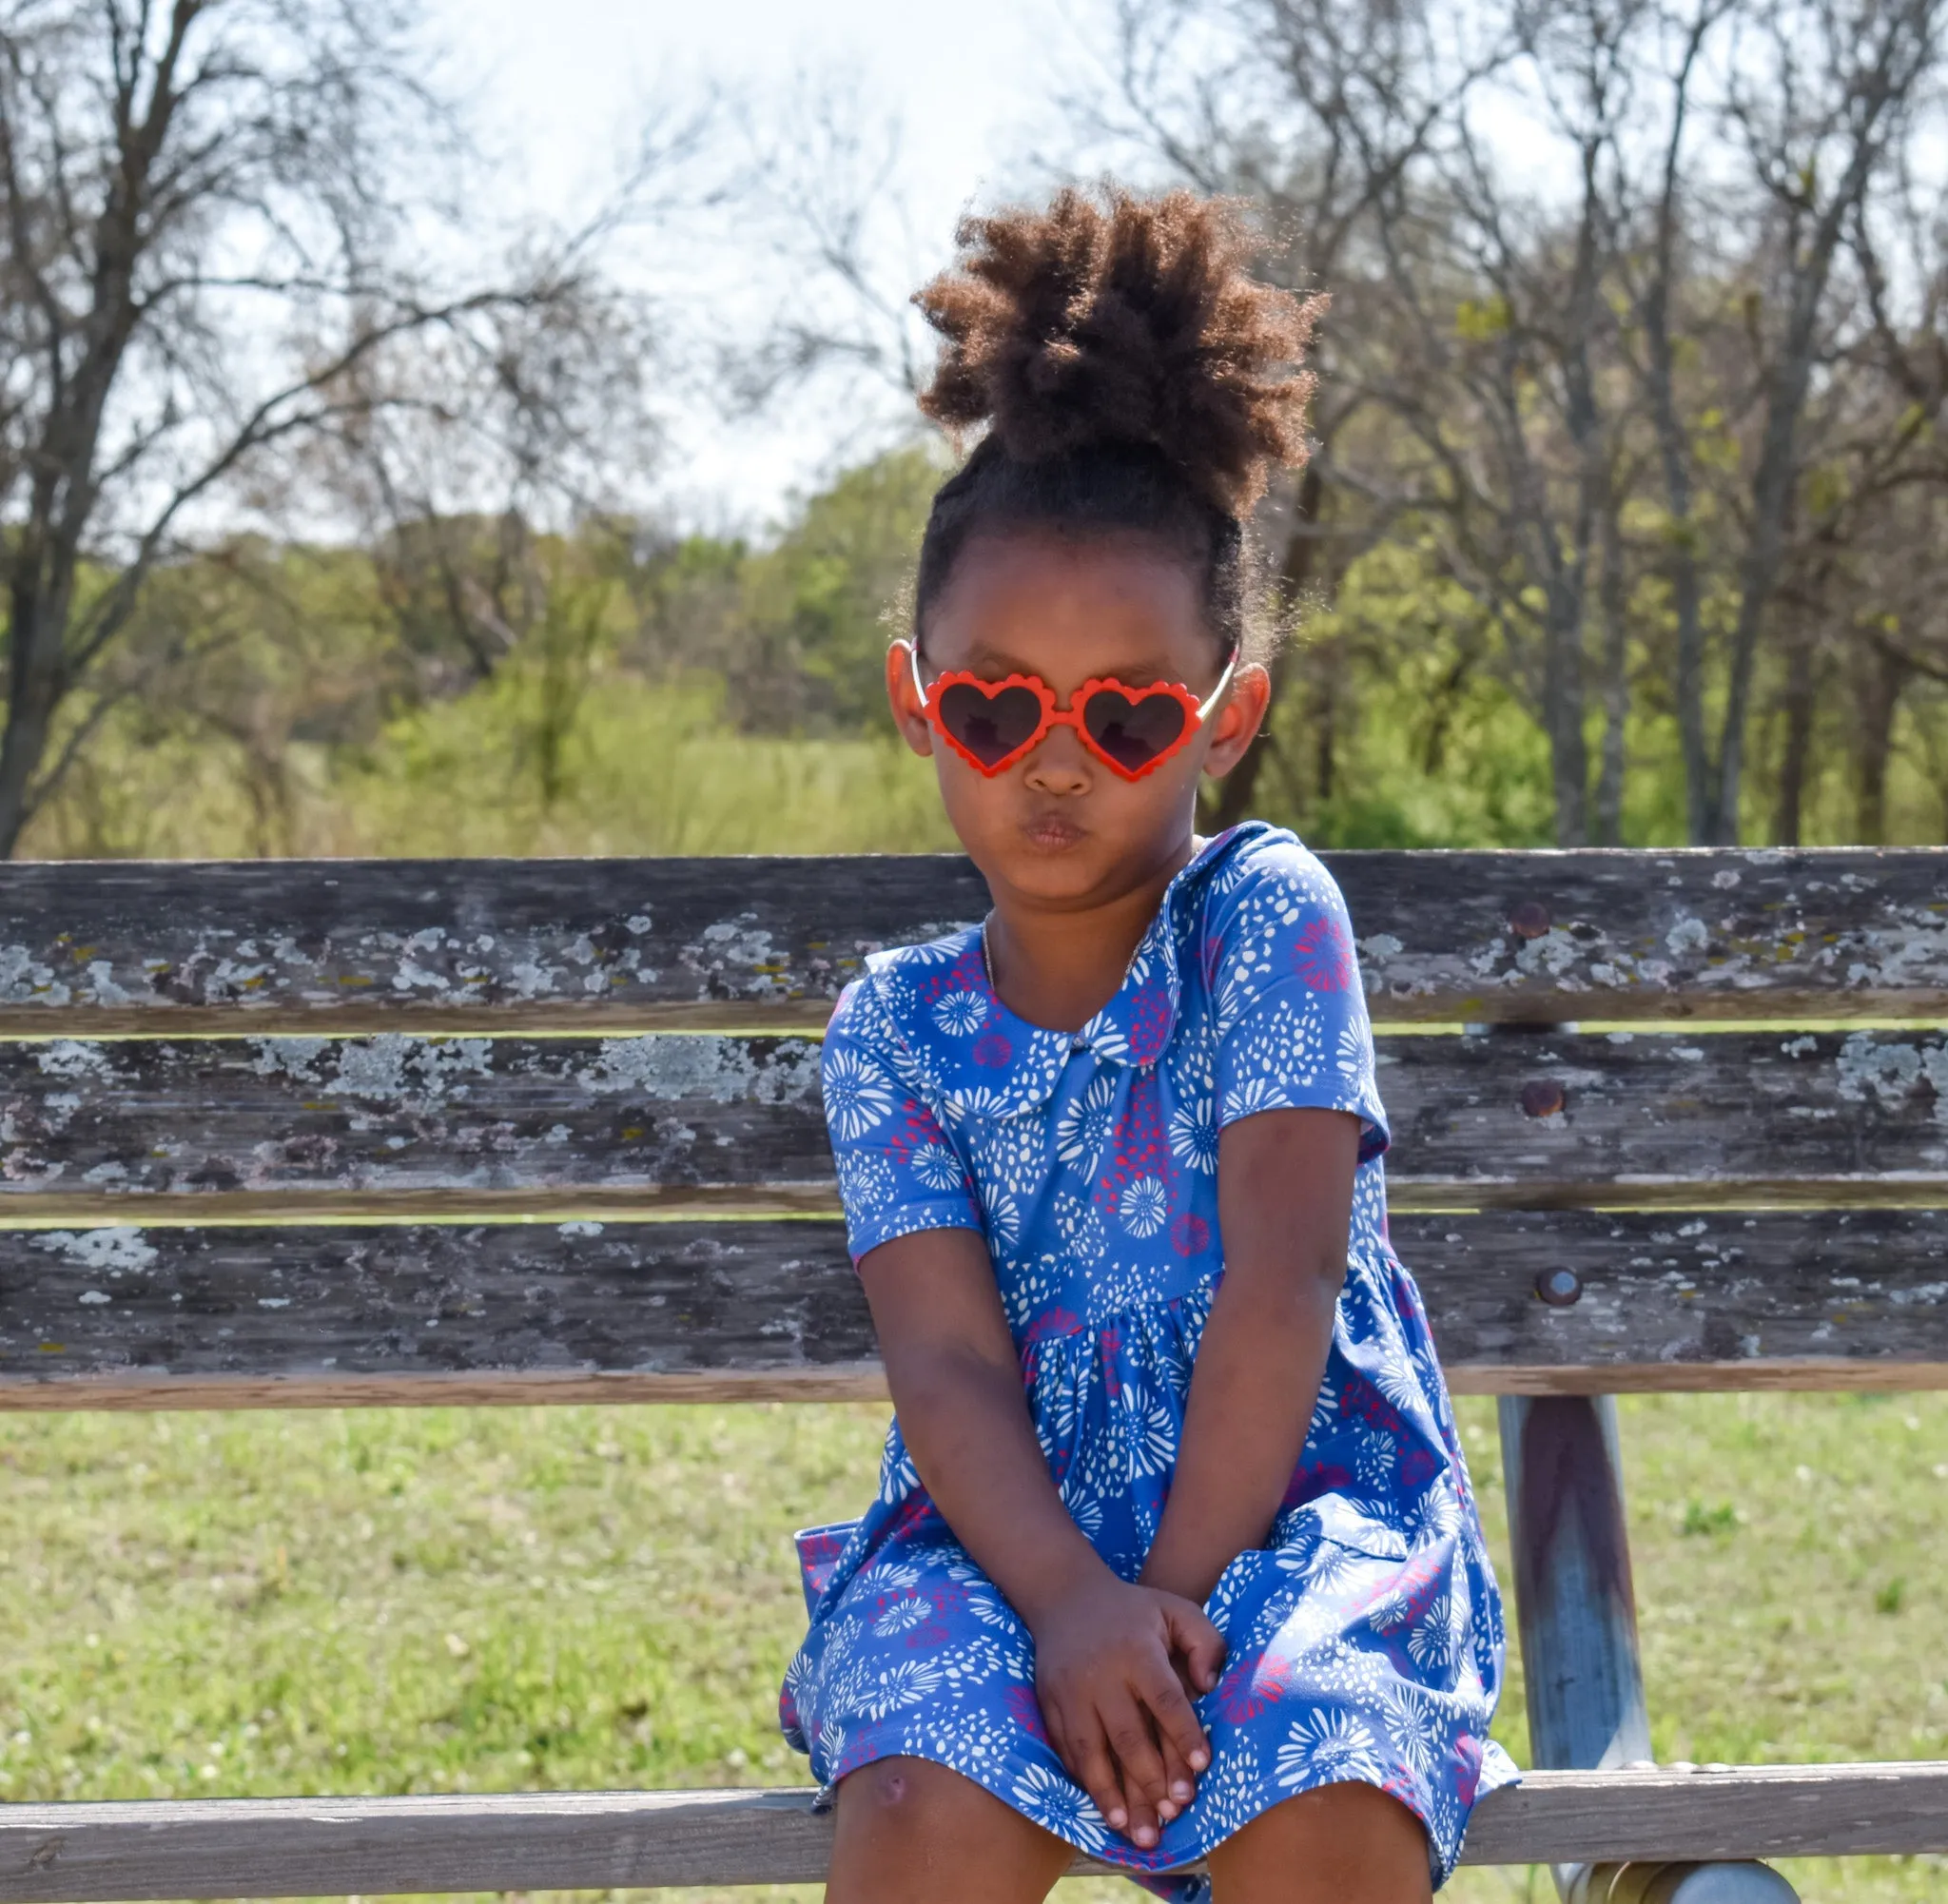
482	1600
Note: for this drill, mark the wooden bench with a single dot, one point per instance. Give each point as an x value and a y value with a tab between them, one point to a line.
280	1135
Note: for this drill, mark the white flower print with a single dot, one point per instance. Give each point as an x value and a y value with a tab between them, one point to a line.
1377	1457
961	1013
1152	1431
866	1179
1061	1807
898	1477
1003	1218
857	1094
1327	1748
910	1610
1248	1095
1080	1227
831	1744
1389	1612
1085	1511
989	1607
1396	1378
1420	1725
906	1683
1357	1061
1011	1153
1193	1136
1104	1036
938	1168
1434	1642
982	1102
1144	1206
1083	1128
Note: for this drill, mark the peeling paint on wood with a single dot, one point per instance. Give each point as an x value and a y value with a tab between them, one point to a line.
484	945
260	1125
296	1316
518	1842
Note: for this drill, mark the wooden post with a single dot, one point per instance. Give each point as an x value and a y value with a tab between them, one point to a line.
1576	1611
1577	1616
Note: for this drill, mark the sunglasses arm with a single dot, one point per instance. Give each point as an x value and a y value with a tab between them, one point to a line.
1210	700
912	648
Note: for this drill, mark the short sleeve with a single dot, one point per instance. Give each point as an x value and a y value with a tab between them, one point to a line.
898	1172
1293	1031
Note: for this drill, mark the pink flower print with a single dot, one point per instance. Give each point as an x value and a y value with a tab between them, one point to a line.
1054	1322
1322	956
1150	1024
993	1049
1190	1235
1026	1710
1418	1467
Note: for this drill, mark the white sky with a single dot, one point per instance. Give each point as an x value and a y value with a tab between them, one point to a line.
559	84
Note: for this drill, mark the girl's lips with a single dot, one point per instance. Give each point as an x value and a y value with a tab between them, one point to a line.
1050	833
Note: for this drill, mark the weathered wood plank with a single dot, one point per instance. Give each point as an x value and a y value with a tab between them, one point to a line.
1528	936
225	1318
90	1854
286	1121
262	1126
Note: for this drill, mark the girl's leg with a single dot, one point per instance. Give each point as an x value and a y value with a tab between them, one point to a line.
911	1831
1340	1844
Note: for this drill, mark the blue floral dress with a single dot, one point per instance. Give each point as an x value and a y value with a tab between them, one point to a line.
1365	1638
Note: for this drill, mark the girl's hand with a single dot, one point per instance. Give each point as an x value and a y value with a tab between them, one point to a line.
1111	1666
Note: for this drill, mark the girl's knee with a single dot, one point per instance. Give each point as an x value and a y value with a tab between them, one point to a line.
1348	1843
909	1828
913	1795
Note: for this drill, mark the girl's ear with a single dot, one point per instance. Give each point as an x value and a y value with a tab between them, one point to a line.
902	695
1235	724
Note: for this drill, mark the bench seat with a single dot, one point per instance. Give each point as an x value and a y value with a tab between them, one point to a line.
589	1840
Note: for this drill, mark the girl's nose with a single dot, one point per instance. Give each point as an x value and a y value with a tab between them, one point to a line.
1060	765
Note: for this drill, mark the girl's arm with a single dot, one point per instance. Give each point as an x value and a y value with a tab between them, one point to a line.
1103	1649
1285	1205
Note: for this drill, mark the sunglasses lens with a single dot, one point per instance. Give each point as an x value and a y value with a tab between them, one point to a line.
990	727
1133	734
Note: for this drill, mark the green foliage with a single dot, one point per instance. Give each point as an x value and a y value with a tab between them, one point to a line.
822	603
470	688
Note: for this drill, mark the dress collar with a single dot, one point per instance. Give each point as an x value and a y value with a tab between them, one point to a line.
986	1062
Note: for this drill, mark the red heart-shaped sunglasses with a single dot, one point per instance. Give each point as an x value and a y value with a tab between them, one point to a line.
1131	731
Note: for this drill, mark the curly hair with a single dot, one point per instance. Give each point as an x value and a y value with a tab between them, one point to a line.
1132	376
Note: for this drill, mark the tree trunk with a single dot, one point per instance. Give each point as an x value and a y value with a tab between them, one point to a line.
37	621
1568	751
1878	686
1788	817
1616	692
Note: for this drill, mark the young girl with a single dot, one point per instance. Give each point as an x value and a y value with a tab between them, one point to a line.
1174	1556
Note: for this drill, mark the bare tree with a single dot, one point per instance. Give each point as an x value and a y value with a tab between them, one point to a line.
223	234
1812	98
1319	112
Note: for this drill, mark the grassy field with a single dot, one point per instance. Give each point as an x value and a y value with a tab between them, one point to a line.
449	1600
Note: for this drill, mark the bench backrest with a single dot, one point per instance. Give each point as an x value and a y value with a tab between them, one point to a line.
289	1134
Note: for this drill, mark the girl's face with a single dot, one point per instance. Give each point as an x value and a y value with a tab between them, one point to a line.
1059	826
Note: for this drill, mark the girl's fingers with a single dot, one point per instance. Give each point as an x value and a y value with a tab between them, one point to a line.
1178	1726
1144	1784
1199	1643
1085	1751
1177	1776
